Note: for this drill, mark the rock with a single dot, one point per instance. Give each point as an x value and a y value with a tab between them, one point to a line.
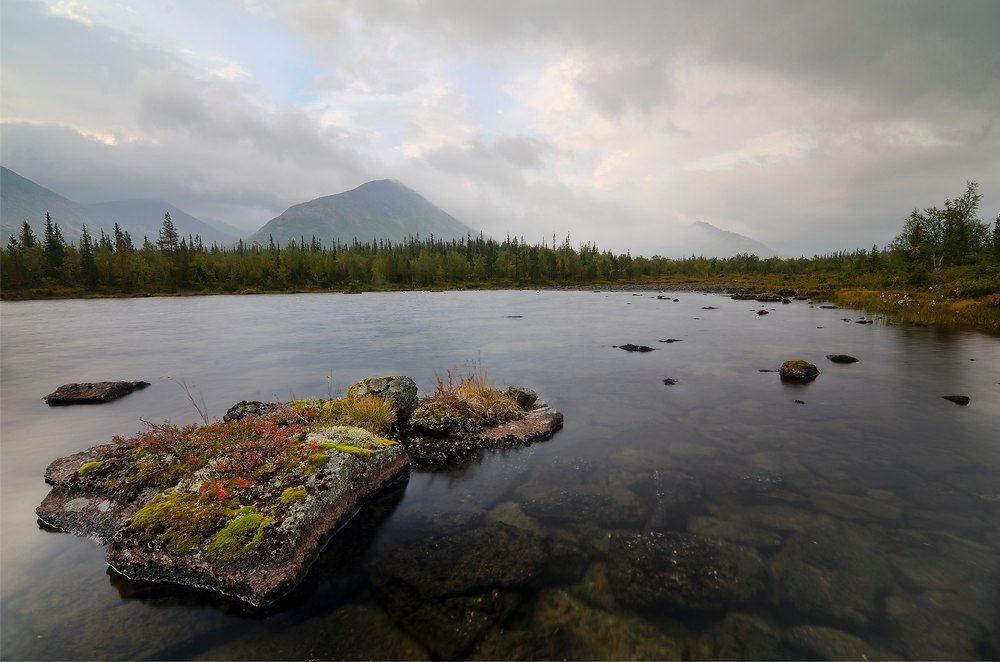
446	441
832	570
744	296
709	308
263	557
250	408
91	393
739	636
400	391
830	307
524	397
841	358
958	399
634	348
684	572
669	340
800	402
798	370
669	381
767	298
735	531
786	301
817	642
448	591
762	312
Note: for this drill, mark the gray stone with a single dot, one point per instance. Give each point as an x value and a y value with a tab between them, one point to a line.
841	358
524	397
798	371
400	391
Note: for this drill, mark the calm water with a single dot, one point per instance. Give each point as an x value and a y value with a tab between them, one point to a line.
871	511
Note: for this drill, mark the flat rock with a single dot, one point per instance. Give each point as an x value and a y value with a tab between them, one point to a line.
958	399
540	424
841	358
91	393
629	347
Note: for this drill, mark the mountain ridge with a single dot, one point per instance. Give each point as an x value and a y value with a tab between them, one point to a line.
379	209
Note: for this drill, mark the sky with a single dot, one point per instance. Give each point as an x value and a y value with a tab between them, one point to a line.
810	126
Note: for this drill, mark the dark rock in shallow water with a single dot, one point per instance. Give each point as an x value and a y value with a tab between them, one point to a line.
958	399
683	571
762	312
629	347
669	340
841	358
829	307
669	381
798	370
709	308
91	393
449	591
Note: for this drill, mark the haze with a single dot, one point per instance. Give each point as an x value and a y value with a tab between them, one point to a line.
809	126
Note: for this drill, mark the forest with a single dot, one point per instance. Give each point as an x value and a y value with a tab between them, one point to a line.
947	248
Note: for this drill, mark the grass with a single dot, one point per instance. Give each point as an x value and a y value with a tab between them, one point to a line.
470	401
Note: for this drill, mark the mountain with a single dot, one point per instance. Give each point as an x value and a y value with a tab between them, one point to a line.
144	218
23	200
704	239
383	209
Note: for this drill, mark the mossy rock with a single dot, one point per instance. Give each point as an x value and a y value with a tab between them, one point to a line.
798	370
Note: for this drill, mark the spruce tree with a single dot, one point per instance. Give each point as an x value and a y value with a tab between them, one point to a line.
169	241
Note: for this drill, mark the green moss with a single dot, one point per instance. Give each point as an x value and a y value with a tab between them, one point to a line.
89	468
797	363
363	453
314	462
181	520
293	494
240	537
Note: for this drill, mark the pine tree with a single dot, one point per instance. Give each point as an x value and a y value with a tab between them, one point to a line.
27	238
88	265
169	241
53	248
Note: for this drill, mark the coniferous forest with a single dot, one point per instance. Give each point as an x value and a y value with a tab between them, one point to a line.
948	252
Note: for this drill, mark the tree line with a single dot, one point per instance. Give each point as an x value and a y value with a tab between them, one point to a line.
113	263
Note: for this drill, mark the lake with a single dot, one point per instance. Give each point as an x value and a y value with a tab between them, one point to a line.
855	515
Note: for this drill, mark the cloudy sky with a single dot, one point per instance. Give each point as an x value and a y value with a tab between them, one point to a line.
809	126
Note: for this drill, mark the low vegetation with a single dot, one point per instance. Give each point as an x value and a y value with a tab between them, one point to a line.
467	403
944	261
223	484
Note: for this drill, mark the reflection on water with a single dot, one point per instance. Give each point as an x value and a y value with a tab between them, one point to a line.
714	518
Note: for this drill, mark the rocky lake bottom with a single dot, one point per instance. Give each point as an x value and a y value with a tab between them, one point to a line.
694	506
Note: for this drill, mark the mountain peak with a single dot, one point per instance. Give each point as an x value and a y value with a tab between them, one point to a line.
380	209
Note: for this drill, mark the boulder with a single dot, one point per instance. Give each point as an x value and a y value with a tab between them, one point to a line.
684	572
798	370
246	408
762	312
400	391
91	393
841	358
524	397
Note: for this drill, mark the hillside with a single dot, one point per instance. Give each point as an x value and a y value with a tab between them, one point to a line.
23	200
383	209
706	240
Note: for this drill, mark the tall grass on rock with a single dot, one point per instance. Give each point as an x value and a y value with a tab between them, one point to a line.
469	402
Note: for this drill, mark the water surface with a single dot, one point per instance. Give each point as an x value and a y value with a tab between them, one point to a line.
873	505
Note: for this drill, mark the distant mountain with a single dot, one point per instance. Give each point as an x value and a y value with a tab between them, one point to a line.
706	240
23	200
383	209
144	218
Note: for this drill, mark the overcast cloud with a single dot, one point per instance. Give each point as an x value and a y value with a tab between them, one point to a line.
809	126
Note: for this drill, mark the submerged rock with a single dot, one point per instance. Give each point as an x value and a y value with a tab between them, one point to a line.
683	571
841	358
798	370
91	393
629	347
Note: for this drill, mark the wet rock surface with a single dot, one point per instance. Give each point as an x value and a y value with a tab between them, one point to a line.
683	571
958	399
91	393
841	358
630	347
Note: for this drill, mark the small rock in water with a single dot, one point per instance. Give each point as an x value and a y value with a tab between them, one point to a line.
91	393
669	381
830	307
708	307
670	340
762	312
958	399
514	317
634	348
841	358
800	402
798	370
